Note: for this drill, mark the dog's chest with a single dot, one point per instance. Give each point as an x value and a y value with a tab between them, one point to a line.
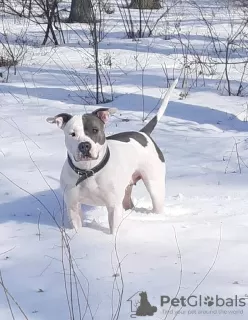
91	193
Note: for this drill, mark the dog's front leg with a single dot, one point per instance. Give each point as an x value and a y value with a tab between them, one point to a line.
73	206
114	217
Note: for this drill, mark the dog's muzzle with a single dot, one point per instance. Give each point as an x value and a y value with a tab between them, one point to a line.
84	148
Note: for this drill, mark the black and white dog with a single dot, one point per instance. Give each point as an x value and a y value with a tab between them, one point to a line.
101	171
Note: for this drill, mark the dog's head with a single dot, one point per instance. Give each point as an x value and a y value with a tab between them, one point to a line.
84	134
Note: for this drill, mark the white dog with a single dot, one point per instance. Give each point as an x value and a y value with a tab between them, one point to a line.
101	171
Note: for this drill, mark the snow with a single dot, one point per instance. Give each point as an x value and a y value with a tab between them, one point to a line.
204	227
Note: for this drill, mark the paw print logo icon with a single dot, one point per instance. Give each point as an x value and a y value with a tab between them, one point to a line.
209	301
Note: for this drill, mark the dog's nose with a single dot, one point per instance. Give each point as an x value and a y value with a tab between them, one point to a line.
84	147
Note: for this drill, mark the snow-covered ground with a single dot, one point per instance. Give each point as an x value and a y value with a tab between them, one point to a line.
203	233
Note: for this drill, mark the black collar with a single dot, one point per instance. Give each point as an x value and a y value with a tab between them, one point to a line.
84	174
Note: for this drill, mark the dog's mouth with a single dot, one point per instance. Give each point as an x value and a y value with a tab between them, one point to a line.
81	157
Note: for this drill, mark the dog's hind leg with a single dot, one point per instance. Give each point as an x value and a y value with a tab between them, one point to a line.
127	201
155	184
156	189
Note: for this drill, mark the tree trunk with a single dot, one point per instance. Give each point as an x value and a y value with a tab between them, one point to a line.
81	11
145	4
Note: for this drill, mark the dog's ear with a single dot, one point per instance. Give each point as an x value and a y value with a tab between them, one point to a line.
104	113
60	119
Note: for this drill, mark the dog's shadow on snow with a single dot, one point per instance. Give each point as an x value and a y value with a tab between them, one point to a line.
42	208
96	226
47	208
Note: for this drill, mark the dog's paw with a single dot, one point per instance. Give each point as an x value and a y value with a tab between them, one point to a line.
158	210
113	231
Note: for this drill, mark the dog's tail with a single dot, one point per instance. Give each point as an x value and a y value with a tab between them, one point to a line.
148	128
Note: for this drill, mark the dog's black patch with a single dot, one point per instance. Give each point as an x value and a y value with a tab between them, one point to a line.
148	128
159	152
65	116
94	128
126	136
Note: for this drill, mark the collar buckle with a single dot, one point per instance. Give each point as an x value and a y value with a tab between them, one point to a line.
85	174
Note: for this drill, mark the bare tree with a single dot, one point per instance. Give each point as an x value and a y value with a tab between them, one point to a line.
147	20
230	52
145	4
40	12
13	47
95	34
81	11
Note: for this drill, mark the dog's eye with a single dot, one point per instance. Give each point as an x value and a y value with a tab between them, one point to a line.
95	130
73	134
